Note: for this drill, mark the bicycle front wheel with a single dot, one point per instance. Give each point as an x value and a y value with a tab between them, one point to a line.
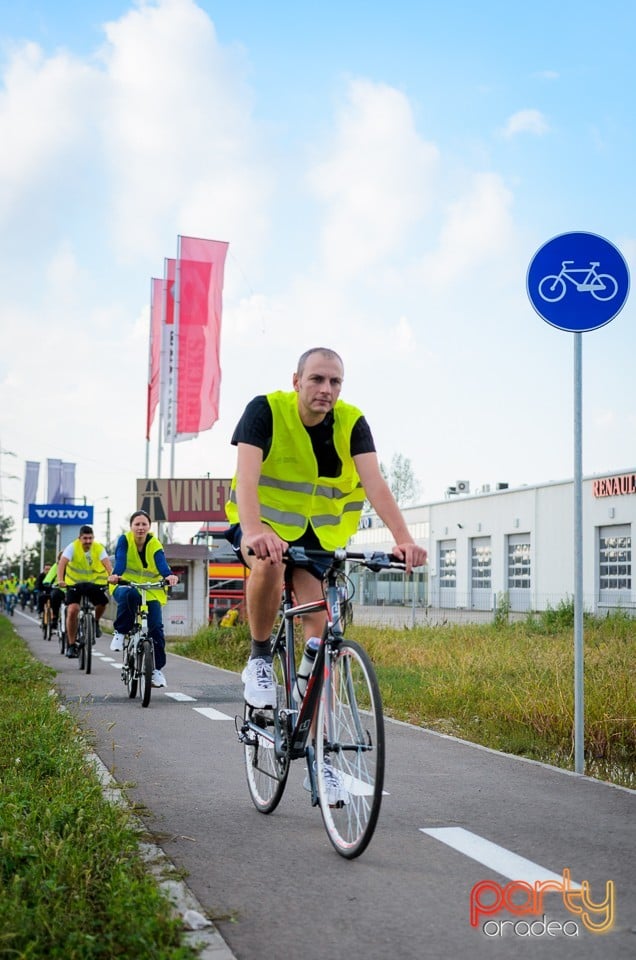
61	633
145	671
131	667
350	750
266	772
89	640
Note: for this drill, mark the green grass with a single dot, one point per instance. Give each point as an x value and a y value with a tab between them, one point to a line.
508	686
72	883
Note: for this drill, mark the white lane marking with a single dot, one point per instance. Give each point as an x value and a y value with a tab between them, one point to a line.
212	714
491	855
115	665
181	697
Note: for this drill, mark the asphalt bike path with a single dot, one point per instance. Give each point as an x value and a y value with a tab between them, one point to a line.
458	824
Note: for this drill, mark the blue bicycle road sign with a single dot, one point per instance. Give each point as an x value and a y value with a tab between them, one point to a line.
578	282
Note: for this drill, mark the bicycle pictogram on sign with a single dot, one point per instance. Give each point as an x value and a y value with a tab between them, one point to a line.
602	286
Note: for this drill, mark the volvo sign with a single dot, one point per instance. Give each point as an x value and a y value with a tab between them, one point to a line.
64	514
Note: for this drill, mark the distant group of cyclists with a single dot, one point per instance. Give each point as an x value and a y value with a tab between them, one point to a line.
15	592
84	568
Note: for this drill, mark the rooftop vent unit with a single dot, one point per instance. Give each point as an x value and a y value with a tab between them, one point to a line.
502	486
462	486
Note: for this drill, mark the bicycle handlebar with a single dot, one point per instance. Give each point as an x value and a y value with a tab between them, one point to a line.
374	561
142	586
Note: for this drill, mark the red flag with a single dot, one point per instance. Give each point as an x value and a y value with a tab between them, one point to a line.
154	373
200	268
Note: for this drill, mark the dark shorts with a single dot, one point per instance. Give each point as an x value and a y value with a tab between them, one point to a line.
316	567
93	591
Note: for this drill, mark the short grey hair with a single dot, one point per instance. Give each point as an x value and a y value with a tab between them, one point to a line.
326	352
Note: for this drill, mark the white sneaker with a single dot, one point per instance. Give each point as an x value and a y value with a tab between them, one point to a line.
260	686
117	643
158	679
337	793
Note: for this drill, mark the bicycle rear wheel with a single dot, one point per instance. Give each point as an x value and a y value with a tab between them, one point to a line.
266	773
47	617
89	640
350	751
61	629
146	664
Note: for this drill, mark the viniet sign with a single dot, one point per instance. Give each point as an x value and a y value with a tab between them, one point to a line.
63	514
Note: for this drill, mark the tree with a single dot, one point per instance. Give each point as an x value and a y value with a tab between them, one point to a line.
6	532
402	481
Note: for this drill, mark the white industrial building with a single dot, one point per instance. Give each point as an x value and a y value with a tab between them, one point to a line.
513	543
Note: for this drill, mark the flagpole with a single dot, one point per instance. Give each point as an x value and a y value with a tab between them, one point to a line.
152	291
175	365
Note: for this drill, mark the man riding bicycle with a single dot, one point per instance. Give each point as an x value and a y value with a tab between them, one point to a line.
306	462
84	568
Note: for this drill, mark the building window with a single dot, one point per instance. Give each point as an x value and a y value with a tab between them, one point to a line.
448	565
481	564
519	562
615	558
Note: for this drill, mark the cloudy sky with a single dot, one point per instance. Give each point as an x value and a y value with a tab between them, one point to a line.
383	175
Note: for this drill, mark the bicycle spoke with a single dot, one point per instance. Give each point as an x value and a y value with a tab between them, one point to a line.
350	751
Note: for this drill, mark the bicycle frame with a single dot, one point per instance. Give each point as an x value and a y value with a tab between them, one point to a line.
591	280
293	741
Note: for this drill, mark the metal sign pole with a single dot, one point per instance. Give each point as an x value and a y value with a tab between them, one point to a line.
579	709
578	282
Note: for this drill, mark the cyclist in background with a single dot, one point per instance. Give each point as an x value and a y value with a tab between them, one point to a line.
139	556
48	589
10	592
39	582
83	568
306	461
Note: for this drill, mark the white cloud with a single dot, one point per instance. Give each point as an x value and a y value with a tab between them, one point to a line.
526	121
177	127
45	109
476	227
377	182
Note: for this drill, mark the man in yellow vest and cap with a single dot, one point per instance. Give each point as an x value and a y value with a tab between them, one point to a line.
306	462
84	568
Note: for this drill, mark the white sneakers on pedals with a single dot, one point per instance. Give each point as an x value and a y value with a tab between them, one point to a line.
260	686
337	793
158	679
117	643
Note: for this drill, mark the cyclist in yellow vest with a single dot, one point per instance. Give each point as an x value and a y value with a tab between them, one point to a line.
139	557
306	461
84	568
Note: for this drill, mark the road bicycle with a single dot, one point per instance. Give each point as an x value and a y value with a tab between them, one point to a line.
337	726
138	657
85	638
602	286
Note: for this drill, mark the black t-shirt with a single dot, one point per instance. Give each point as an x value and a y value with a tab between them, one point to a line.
257	424
256	427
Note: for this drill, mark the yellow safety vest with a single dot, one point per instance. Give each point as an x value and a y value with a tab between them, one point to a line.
86	566
291	493
137	572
